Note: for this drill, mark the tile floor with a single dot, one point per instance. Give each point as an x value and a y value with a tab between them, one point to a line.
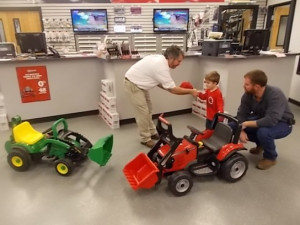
96	195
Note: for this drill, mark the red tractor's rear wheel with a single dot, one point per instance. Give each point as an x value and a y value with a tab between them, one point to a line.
234	168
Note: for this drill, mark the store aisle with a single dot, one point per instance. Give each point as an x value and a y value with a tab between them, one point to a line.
96	195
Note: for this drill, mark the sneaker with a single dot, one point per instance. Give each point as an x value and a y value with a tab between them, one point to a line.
155	137
149	144
256	151
265	164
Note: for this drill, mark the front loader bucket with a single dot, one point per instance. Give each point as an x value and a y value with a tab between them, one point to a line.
101	150
141	172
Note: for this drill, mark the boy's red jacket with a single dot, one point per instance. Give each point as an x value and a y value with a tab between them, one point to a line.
214	102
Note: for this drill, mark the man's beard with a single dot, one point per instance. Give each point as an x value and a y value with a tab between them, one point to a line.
251	92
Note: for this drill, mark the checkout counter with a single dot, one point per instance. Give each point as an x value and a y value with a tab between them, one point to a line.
75	82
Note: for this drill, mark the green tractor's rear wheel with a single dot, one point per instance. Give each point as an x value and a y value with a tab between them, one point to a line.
64	167
19	159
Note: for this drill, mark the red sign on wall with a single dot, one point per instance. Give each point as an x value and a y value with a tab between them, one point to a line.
33	83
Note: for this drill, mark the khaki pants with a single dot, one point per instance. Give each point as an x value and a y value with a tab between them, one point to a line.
141	102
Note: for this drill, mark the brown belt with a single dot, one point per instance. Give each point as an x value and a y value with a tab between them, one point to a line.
132	83
128	80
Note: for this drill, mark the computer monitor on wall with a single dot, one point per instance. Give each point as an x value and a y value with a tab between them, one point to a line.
173	20
32	43
256	40
89	21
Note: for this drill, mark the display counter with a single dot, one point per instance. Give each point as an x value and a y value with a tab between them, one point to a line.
232	71
162	100
74	83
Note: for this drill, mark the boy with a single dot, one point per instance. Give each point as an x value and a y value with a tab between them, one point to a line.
213	97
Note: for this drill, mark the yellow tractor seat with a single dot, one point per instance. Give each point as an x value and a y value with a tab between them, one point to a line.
25	133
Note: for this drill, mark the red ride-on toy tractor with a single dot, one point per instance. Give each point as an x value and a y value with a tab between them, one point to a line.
201	153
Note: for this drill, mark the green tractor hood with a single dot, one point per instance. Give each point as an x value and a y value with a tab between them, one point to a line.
101	150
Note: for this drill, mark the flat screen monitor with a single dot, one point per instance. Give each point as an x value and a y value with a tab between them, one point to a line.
7	50
89	20
33	43
170	20
256	40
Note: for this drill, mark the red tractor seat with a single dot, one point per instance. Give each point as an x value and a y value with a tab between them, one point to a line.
222	135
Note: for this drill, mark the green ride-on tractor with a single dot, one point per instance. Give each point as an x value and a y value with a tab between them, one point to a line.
58	144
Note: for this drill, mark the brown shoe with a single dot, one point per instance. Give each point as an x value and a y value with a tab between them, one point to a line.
155	137
265	164
149	144
256	151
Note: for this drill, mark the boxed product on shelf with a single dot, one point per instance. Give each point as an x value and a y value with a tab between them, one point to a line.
2	106
200	114
109	102
199	109
112	124
199	105
3	122
195	106
109	115
111	118
100	109
2	109
1	99
201	102
107	86
107	108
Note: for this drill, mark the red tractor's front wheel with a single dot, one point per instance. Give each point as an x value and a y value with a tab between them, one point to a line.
19	159
64	167
180	183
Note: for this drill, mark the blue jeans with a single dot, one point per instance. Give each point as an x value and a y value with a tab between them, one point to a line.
265	136
208	124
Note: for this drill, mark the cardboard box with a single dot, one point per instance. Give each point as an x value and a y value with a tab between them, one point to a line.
3	122
1	99
109	102
107	86
2	110
111	118
199	113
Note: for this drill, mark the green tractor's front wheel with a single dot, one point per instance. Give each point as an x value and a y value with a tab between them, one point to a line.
64	167
19	160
